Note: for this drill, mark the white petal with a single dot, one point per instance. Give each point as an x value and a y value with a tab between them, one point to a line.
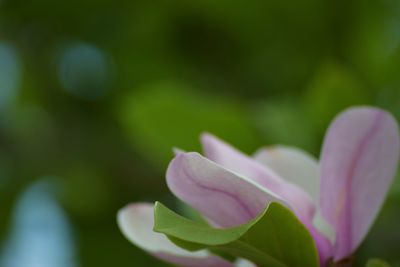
136	223
294	165
244	263
324	227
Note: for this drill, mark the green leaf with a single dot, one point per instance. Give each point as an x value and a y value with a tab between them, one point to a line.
377	263
275	239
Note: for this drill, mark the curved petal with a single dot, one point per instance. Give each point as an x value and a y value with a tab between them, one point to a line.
232	159
226	199
358	163
294	165
136	223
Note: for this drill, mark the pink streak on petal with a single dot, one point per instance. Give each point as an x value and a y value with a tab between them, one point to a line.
232	159
223	197
358	163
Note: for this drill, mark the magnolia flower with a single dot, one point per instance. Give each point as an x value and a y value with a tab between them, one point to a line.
337	198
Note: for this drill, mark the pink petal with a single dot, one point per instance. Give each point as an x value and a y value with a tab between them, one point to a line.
225	198
136	223
232	159
358	163
322	243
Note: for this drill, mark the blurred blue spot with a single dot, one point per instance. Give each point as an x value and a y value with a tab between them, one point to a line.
84	71
40	234
10	74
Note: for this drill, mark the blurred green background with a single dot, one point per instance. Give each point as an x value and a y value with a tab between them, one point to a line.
94	94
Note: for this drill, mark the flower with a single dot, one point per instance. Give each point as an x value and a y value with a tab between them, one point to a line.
337	199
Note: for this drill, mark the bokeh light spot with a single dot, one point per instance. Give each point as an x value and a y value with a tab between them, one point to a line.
85	71
40	234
